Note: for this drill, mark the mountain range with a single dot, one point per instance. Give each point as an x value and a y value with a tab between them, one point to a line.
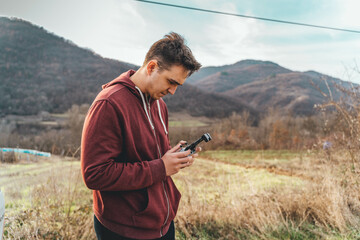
40	71
264	84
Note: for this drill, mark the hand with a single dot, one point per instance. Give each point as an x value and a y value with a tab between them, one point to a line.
174	160
197	149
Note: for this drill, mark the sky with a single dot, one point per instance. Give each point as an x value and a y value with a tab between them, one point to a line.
125	29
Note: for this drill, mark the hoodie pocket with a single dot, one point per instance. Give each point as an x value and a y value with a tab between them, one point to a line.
122	205
154	215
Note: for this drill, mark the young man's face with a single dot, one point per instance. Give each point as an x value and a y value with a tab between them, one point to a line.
166	81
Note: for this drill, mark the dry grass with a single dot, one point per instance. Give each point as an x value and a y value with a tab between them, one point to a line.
326	207
48	200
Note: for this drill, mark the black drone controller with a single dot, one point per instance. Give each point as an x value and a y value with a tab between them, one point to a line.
206	137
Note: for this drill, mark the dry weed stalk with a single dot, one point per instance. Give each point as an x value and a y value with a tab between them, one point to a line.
347	130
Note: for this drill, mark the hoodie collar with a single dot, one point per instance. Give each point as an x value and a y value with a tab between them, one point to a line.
125	80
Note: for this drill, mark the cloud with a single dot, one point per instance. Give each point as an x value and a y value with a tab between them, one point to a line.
129	33
347	13
229	39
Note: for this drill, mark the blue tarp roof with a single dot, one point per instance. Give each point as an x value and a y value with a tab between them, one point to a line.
29	151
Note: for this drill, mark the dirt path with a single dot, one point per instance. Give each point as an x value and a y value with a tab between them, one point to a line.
272	169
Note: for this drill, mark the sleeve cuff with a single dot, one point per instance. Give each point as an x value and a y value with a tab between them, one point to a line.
158	171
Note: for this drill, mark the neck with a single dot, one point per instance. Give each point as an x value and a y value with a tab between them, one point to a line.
138	79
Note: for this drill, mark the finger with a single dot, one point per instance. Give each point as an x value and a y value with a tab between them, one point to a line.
195	155
175	148
185	161
198	149
178	146
188	164
191	161
182	154
182	144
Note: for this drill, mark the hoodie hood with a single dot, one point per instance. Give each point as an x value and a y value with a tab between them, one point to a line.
123	79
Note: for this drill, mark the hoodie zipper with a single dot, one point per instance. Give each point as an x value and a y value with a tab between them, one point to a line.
166	195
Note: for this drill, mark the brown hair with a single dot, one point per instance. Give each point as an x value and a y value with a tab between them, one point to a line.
172	50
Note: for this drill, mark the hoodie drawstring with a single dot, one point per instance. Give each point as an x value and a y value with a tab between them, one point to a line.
147	113
162	121
143	100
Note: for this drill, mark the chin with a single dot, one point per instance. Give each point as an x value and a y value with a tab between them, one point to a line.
156	97
159	96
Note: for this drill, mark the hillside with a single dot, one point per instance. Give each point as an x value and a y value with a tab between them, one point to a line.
292	92
43	72
240	73
264	85
40	71
200	103
240	66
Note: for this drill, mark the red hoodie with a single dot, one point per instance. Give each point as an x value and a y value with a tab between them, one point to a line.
121	149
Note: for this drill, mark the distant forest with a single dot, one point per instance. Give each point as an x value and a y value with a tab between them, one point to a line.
43	72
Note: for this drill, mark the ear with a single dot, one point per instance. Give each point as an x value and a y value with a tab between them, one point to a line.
151	66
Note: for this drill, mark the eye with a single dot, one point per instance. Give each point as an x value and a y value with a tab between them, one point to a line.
172	82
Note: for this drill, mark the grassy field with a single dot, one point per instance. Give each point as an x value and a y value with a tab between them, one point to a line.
45	199
188	123
225	195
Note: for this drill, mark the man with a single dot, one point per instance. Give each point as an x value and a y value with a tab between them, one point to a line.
126	157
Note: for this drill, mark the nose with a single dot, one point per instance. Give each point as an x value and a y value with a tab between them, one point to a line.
172	90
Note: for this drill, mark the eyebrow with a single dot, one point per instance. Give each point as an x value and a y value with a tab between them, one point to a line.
174	81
